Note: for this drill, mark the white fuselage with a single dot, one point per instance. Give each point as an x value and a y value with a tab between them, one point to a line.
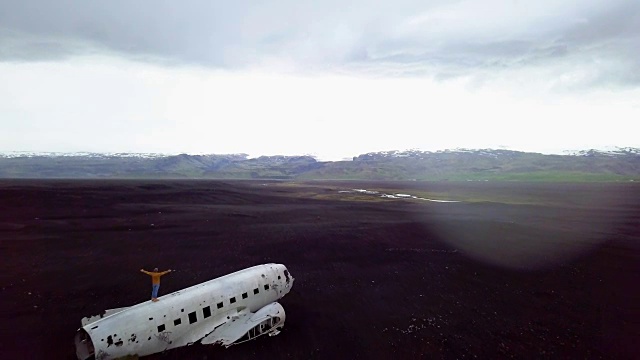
186	316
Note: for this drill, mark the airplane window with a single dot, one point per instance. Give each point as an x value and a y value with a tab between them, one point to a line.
219	305
279	277
192	317
161	328
232	300
206	312
266	287
177	322
255	291
244	295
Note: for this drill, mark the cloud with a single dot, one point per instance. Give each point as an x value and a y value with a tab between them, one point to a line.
105	103
442	39
456	41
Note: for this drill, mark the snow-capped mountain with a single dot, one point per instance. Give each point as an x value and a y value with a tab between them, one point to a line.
608	151
456	164
28	154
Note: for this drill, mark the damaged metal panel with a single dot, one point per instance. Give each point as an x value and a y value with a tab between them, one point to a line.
88	320
268	320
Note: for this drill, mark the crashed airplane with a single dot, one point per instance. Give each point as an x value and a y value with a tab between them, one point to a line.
227	310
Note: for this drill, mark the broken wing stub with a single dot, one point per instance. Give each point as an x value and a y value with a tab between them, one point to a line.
244	327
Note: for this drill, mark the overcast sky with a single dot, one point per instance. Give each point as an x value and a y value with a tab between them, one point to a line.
328	78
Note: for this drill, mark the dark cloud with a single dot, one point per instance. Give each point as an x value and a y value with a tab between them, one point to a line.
328	34
138	28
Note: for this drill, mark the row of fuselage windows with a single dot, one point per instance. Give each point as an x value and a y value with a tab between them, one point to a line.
206	311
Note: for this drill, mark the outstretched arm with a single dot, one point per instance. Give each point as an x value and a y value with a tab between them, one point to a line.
166	272
144	271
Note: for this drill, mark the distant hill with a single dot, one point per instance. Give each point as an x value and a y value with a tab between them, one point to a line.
486	164
620	164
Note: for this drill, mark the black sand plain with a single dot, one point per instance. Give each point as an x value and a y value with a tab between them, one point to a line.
515	270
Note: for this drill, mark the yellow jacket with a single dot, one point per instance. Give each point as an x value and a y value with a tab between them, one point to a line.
155	276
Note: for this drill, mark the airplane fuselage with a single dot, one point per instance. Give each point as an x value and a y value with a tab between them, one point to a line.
186	316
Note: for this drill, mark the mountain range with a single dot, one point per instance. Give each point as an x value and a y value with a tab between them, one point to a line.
619	164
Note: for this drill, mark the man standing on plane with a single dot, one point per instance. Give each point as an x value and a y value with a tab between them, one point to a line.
155	281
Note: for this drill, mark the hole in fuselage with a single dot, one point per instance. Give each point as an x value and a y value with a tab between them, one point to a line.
84	345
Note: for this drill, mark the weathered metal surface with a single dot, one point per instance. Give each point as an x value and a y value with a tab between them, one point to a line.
88	320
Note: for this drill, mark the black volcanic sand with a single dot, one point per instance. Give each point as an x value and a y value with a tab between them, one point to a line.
542	271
